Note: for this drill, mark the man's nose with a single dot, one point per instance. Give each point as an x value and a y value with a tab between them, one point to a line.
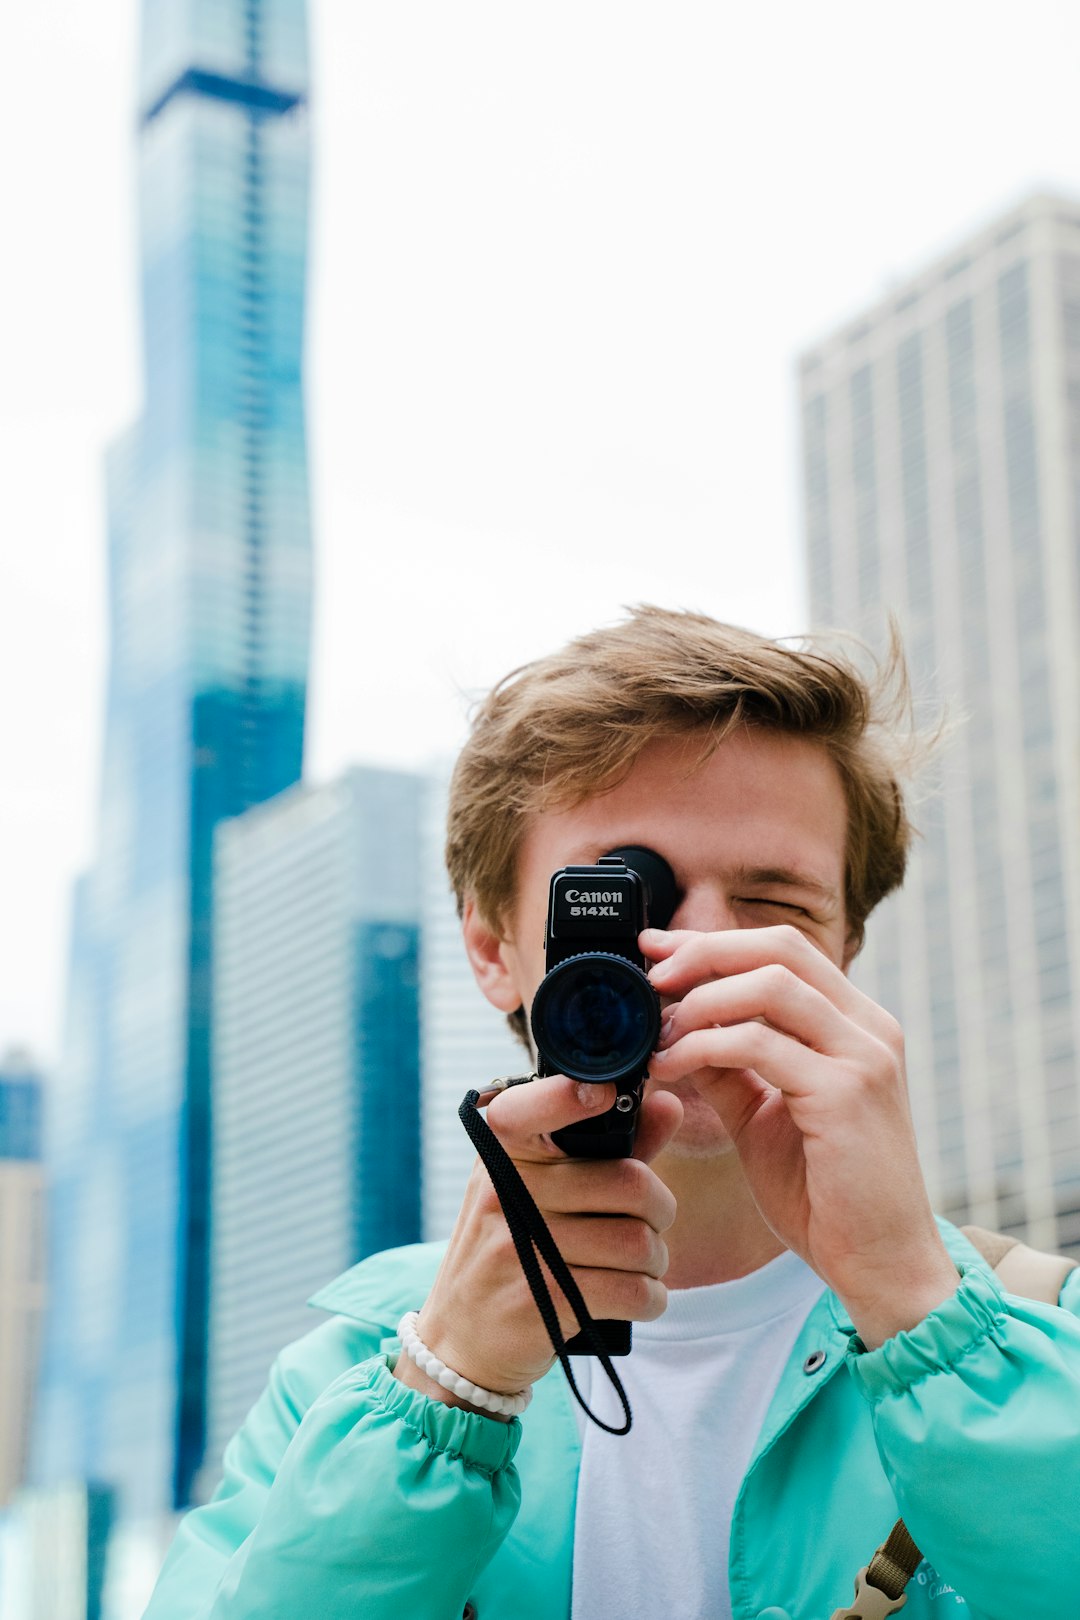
705	908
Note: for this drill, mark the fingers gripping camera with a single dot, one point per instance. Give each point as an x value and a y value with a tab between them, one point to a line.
595	1016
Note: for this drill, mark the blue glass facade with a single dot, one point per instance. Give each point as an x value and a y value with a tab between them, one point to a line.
386	1189
209	600
20	1115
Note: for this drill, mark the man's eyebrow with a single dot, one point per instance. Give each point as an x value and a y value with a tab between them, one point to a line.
764	876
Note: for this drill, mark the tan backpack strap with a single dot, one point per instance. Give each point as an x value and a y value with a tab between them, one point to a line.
1020	1269
993	1246
879	1588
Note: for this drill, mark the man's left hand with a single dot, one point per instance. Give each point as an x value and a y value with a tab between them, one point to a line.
807	1076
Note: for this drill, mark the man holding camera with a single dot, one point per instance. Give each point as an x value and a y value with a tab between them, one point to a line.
816	1353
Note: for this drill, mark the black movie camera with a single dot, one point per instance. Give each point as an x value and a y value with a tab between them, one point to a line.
595	1016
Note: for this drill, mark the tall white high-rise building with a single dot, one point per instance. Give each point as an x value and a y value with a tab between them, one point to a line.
464	1041
316	1064
941	435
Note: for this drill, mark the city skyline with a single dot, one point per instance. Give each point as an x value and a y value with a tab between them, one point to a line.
495	215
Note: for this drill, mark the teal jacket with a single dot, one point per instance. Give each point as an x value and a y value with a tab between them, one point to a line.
347	1496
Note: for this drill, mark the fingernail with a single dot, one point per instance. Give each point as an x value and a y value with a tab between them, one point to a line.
665	1031
589	1096
658	971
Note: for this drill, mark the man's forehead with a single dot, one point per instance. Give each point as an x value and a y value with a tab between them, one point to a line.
785	824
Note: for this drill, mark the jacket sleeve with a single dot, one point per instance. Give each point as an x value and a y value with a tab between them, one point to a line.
344	1495
976	1413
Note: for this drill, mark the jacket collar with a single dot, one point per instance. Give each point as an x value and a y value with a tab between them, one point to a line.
383	1287
828	1331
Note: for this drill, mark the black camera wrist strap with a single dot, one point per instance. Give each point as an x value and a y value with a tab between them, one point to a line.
532	1237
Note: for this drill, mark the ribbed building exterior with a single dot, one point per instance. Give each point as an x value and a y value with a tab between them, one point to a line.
22	1262
209	606
464	1040
316	1064
941	437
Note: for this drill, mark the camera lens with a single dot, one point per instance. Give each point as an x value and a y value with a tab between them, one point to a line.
596	1017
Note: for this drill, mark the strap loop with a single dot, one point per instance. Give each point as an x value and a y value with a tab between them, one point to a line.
531	1237
895	1561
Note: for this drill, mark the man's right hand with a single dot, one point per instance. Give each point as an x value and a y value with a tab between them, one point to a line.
607	1216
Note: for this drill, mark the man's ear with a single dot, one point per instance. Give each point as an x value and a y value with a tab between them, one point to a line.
488	952
852	946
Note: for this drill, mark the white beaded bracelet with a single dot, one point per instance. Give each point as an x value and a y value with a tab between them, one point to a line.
427	1361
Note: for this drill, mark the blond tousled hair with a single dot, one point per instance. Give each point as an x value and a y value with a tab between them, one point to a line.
567	727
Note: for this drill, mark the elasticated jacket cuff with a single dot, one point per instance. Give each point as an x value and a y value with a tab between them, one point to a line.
957	1326
480	1442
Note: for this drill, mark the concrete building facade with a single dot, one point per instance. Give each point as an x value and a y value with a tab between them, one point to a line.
316	1064
941	456
464	1040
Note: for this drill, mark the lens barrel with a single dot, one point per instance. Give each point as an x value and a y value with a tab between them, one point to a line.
596	1017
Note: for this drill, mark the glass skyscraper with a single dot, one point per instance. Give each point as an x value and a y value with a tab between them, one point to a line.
209	602
942	479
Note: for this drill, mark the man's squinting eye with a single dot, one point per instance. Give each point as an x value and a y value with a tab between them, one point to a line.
775	905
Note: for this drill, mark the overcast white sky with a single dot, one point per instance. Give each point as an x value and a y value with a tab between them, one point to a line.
563	258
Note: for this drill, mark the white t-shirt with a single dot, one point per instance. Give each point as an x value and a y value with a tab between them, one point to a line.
654	1507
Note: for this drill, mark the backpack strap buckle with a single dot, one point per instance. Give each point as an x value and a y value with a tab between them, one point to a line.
871	1603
